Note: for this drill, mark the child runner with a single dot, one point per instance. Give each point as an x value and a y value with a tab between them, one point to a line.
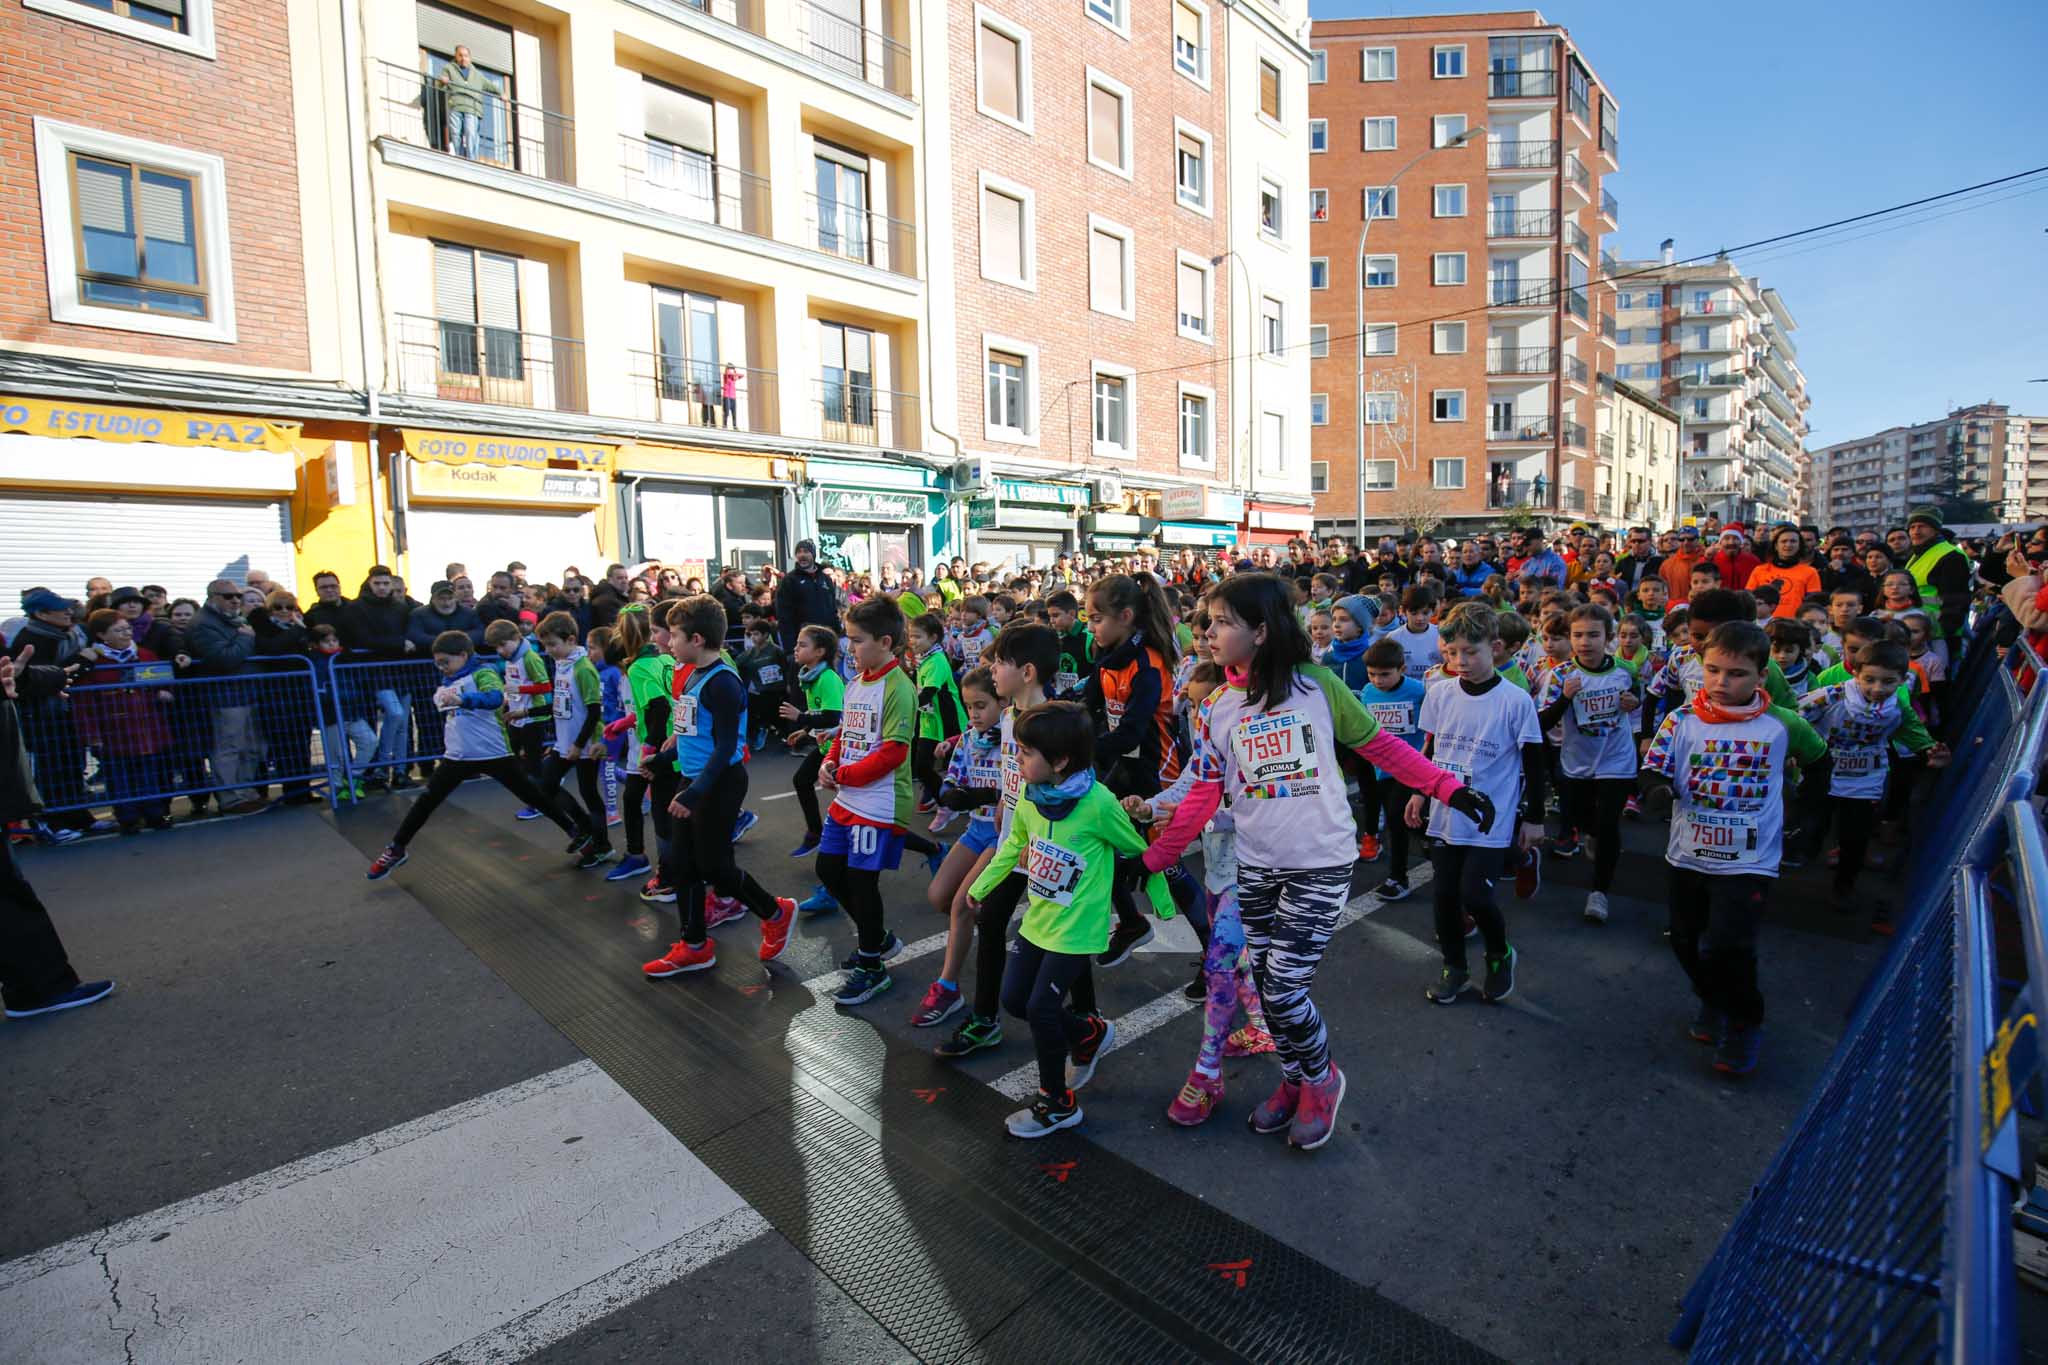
1790	641
763	666
975	633
707	720
973	783
528	681
1351	624
648	671
1594	698
1266	738
1077	651
939	714
618	723
577	709
1394	701
812	725
1632	644
1725	758
1417	635
471	699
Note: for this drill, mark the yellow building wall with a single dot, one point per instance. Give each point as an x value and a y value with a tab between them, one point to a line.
329	535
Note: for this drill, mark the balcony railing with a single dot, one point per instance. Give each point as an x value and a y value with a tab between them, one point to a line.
1520	293
1521	223
1575	434
744	14
1609	266
1711	305
1712	379
852	412
688	184
852	47
1575	174
468	362
1575	370
1527	155
1575	237
1603	505
1520	360
1575	303
1607	326
1535	427
1610	143
1571	499
1606	445
691	393
1610	208
853	233
1503	493
414	107
1521	85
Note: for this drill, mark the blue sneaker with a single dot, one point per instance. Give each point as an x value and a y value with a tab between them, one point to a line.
862	984
746	822
820	902
527	813
632	867
806	848
84	993
935	859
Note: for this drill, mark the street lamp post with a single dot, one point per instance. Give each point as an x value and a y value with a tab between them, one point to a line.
1358	337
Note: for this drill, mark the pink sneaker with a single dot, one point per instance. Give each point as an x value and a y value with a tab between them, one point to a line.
721	910
1315	1119
940	821
1196	1100
1277	1112
1249	1042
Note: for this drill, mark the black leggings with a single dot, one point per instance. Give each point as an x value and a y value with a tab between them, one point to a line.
1714	923
859	893
452	773
530	744
923	765
659	792
700	855
553	768
1464	884
1390	799
1366	804
1854	819
1592	805
991	928
1035	989
806	784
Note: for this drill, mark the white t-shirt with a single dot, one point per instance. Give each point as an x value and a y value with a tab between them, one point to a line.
1421	648
1278	767
1599	736
1859	737
1729	782
1480	739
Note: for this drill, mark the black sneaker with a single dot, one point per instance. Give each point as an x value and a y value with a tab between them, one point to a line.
1081	1061
1123	942
1392	889
892	947
1500	976
1197	989
1736	1054
1565	846
1047	1114
1707	1025
1451	983
594	855
577	844
973	1035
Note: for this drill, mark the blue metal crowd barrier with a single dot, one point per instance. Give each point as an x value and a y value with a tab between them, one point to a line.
1882	1228
389	721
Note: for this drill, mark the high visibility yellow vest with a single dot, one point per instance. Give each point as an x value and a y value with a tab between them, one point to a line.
1920	566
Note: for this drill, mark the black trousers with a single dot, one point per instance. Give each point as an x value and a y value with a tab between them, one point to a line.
530	744
590	815
1465	884
1592	805
991	929
450	773
1390	799
33	966
806	784
1035	989
1854	820
859	893
658	793
700	855
924	767
1714	924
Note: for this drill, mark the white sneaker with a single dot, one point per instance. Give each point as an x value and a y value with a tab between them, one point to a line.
1596	908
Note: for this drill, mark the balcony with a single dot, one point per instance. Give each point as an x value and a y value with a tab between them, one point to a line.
1521	85
675	180
1575	371
1574	434
1575	304
1609	266
1534	429
1710	305
1605	445
1571	499
1521	223
686	393
1603	506
1610	145
1576	180
1519	293
411	107
853	233
1575	237
853	48
467	362
852	413
1527	155
1607	327
1512	360
1717	341
1610	209
1505	493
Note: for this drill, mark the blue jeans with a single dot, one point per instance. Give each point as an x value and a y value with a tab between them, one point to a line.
394	726
463	134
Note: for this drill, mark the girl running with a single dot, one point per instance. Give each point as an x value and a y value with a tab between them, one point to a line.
973	783
648	671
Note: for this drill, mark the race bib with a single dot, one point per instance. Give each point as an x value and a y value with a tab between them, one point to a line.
1065	683
1053	871
770	674
1857	762
1392	716
1276	754
857	728
1114	709
1013	777
1597	712
1716	836
686	716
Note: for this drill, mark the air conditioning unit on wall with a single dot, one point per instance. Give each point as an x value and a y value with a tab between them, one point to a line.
974	477
1106	492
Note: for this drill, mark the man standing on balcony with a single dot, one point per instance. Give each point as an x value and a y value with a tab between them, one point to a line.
464	88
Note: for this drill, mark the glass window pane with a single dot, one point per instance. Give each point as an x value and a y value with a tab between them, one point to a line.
106	217
999	83
1106	125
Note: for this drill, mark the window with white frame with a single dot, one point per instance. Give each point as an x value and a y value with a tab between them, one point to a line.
1380	134
1382	409
1269	89
1450	61
1012	386
1379	475
1114	13
1319	135
1381	272
1319	206
1447	405
1002	69
1112	285
181	25
1447	473
1191	167
135	234
1319	272
1197	428
1319	409
1272	208
1009	251
1191	40
1273	327
1380	201
1273	442
1448	267
1318	66
1376	64
1318	340
1445	129
1109	123
1379	338
1319	476
1193	277
1447	338
1450	201
1114	405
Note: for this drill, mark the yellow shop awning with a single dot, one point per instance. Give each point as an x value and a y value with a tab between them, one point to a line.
157	426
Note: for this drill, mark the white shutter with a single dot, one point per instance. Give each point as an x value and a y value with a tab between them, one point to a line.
454	283
678	117
443	30
58	542
498	290
166	208
103	189
546	542
1106	271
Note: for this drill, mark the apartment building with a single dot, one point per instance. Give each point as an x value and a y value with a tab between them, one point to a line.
1717	345
1464	163
1637	446
1876	480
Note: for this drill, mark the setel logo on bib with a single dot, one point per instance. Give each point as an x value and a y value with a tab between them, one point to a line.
1276	755
1052	871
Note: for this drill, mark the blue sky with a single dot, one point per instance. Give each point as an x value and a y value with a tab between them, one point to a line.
1804	111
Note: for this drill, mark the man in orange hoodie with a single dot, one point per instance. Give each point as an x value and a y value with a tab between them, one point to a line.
1676	570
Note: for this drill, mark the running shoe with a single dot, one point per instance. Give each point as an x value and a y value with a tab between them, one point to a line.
1249	1041
84	993
972	1035
1199	1095
1500	976
1315	1118
862	984
1197	989
1047	1114
940	821
1633	807
527	813
382	866
613	819
576	844
657	891
1596	907
630	867
1276	1111
1123	942
596	855
940	1003
1707	1025
747	820
1369	848
1736	1054
1881	920
1450	983
1086	1053
1392	889
775	930
1529	873
1468	924
818	902
892	947
1566	845
805	849
51	834
680	958
937	857
925	805
721	910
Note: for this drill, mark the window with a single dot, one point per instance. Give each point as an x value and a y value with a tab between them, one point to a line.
1450	61
1624	299
1269	89
1319	409
1380	338
135	234
1196	441
1318	66
846	363
1578	91
1319	272
1449	267
1653	298
1653	335
1380	134
1319	475
1191	40
1699	409
1379	475
1376	64
1002	69
1380	201
1380	272
1191	167
1109	124
1273	442
1011	413
1319	135
1651	369
1272	215
1447	473
181	25
1702	338
1450	201
1193	279
1625	336
1447	405
1008	251
1113	425
1318	340
1448	338
1112	287
1114	13
1445	129
1382	409
477	317
1319	206
1273	327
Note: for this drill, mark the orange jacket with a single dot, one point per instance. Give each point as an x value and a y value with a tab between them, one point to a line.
1676	571
1793	584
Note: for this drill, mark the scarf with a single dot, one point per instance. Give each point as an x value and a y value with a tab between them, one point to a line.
1342	651
1056	800
808	674
110	655
1705	708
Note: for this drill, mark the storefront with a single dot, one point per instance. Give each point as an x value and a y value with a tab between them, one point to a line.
1107	534
1025	522
142	496
867	517
1272	524
1198	517
700	511
484	501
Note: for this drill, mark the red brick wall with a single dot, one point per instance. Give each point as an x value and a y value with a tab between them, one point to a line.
237	107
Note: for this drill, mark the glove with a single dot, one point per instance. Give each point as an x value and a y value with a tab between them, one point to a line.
1475	806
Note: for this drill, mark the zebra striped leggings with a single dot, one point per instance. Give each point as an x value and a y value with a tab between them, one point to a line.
1289	914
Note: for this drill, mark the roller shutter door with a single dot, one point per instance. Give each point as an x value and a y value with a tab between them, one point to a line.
58	541
486	541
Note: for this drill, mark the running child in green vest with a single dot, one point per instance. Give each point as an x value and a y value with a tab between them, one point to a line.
940	715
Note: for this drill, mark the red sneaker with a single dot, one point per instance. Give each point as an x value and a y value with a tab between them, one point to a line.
1529	874
656	889
775	932
1369	848
1196	1101
721	910
680	958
